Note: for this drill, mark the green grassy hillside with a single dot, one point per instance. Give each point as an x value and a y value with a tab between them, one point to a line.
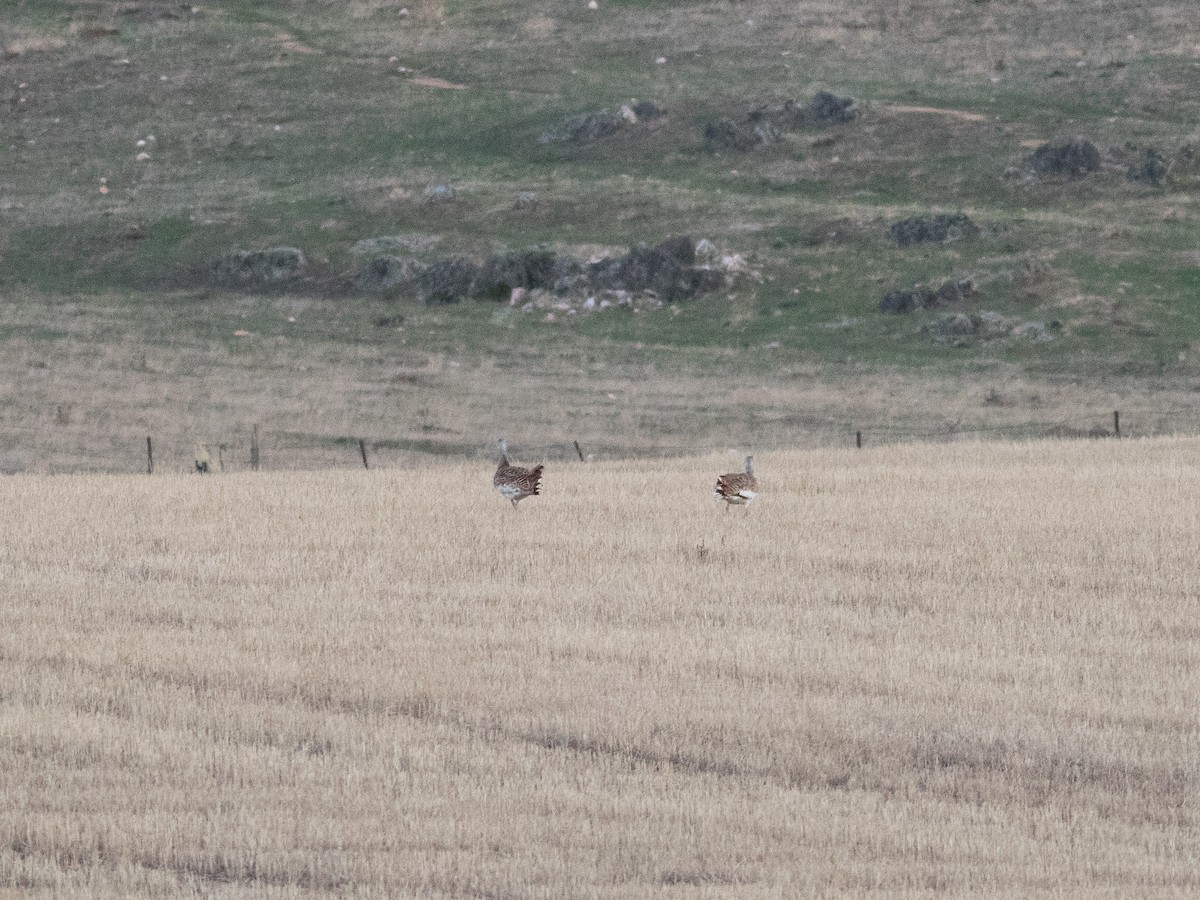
317	125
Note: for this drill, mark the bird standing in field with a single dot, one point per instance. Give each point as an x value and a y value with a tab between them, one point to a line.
513	482
738	487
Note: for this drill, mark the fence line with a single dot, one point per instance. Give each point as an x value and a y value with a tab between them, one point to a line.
231	452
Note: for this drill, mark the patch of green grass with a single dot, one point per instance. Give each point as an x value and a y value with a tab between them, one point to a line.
221	176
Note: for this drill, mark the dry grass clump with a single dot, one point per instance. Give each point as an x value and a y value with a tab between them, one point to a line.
962	670
25	43
315	386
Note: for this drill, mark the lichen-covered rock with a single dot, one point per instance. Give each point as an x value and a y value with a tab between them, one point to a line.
764	125
385	274
1184	171
1150	169
1073	159
248	267
824	109
706	252
725	135
667	269
899	302
583	128
964	329
447	281
932	229
664	273
526	201
647	110
1037	332
440	192
501	274
950	293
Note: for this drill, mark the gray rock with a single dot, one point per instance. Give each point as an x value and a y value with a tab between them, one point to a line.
647	110
248	267
447	281
1037	332
765	131
726	135
681	250
953	292
538	268
824	109
706	252
962	329
991	325
663	273
571	281
583	129
955	325
440	192
935	229
668	270
897	302
950	293
1184	169
764	125
385	274
1150	169
526	200
587	127
499	275
1073	159
959	329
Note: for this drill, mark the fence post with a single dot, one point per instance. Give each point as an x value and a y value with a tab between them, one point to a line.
858	439
362	448
149	456
580	452
254	449
1116	423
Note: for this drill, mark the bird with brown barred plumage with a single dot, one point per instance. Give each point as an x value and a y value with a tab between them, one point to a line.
738	487
514	482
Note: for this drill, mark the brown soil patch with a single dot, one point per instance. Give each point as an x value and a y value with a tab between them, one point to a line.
542	26
961	114
430	81
34	43
289	43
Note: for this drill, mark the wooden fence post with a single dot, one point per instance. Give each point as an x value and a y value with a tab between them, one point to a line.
149	456
362	448
1116	423
580	452
254	449
858	439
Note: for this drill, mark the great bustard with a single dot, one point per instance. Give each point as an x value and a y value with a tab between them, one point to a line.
738	487
513	482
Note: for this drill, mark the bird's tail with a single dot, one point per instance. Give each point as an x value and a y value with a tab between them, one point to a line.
536	473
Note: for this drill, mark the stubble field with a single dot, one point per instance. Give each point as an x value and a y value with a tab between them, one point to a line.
968	670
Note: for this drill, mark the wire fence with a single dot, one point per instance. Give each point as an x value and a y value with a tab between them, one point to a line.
59	446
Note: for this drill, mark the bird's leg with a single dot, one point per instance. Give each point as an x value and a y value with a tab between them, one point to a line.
514	502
